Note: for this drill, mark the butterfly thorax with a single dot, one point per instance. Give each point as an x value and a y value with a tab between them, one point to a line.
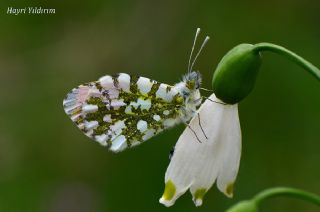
189	90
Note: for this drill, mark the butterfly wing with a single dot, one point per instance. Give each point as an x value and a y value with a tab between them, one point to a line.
123	111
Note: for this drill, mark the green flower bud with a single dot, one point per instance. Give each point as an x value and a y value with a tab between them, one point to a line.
244	206
236	73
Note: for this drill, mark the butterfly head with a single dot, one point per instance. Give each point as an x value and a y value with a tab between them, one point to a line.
193	80
189	88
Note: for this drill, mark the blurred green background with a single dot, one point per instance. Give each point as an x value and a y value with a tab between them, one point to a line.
47	164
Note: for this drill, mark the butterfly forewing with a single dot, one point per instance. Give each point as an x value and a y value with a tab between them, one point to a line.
123	111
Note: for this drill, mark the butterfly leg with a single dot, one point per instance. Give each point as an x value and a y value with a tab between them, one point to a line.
199	121
194	132
221	103
201	126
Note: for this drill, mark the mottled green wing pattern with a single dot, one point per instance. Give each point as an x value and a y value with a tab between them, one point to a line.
123	111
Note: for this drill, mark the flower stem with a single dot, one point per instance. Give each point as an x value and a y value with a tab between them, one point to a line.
289	192
290	55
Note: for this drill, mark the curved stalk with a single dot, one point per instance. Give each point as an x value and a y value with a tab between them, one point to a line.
287	192
290	55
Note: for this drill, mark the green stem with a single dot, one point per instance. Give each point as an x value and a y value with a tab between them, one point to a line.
290	55
291	192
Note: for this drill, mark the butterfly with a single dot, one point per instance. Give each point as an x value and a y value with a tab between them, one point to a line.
124	110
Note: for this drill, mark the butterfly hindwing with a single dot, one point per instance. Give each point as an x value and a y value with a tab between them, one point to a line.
123	111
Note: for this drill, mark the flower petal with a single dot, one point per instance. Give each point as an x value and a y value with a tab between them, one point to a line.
199	152
230	160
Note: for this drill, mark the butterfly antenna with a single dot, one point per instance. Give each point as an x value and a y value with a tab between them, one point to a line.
194	43
209	90
203	44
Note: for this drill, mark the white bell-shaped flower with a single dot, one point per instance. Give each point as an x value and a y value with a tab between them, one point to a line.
208	150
